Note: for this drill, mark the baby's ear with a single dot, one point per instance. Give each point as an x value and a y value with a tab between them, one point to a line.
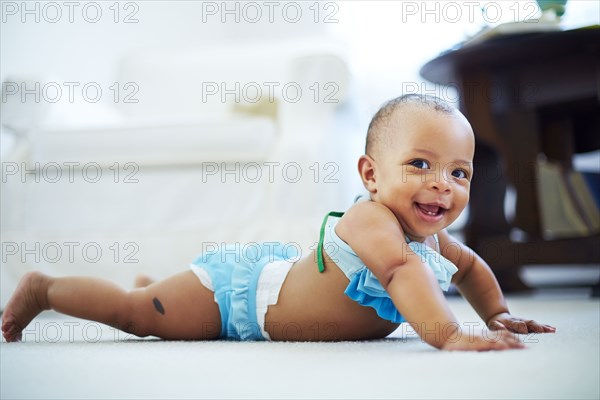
366	169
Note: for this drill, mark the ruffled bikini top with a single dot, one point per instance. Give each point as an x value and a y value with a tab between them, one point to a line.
364	288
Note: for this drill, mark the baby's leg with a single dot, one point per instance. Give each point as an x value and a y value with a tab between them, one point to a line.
179	307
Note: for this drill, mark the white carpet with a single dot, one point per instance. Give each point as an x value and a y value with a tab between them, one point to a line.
57	361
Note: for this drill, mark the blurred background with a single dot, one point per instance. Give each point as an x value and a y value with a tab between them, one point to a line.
137	134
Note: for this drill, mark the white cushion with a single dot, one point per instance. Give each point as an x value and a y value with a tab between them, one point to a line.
166	141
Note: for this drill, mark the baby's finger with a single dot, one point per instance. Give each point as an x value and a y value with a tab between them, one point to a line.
533	326
549	329
516	326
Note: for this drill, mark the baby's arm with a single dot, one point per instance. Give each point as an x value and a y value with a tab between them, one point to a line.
476	283
377	238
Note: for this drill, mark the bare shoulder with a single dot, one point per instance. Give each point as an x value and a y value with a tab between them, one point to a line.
366	215
375	235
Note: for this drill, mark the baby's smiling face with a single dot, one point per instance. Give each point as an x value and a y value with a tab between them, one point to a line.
423	173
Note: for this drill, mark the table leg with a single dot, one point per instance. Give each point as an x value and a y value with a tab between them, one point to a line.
487	219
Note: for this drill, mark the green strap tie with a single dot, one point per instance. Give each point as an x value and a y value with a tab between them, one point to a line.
322	237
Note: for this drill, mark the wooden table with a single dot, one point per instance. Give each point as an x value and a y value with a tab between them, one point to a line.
525	95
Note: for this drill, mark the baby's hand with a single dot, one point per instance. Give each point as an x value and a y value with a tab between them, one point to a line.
500	340
518	325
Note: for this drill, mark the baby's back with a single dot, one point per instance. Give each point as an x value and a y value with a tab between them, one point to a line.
313	306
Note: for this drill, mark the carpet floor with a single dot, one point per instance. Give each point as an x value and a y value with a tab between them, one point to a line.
64	358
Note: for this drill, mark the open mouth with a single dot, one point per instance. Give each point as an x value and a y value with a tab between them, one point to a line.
430	212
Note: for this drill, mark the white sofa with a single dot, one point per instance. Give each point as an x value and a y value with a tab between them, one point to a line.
179	171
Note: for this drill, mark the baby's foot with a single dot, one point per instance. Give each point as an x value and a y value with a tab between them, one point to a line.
29	299
142	281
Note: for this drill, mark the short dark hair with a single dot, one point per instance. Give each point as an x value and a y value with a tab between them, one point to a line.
380	120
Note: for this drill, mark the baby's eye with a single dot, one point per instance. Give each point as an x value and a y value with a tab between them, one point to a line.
459	173
422	164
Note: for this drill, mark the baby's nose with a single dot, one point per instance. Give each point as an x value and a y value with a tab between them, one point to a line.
440	185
